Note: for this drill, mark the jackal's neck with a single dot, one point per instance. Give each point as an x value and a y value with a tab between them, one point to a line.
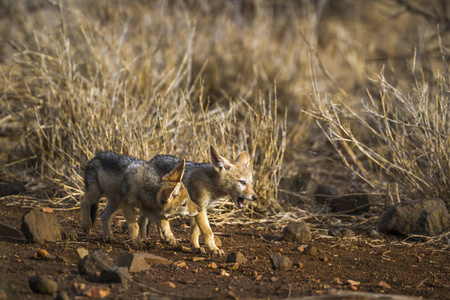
205	180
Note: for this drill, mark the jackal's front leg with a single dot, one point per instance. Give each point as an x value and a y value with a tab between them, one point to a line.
165	232
133	227
200	224
163	225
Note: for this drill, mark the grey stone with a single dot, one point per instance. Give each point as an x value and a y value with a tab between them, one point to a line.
297	232
39	227
281	262
43	285
156	260
354	203
311	250
424	217
325	193
134	262
236	257
93	263
115	275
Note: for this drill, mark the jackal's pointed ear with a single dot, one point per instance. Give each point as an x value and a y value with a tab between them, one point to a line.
217	160
170	193
243	158
176	175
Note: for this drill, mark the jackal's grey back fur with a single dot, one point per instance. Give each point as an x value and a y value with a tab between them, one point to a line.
140	184
110	163
196	177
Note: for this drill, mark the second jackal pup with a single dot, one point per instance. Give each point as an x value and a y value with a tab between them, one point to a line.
127	183
206	183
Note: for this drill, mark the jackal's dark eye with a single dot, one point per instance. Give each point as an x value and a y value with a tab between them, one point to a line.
242	182
184	203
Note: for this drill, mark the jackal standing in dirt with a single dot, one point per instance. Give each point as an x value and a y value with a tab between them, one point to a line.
208	182
128	182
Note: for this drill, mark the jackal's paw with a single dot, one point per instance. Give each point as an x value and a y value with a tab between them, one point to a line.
199	250
138	245
87	230
171	241
217	252
109	239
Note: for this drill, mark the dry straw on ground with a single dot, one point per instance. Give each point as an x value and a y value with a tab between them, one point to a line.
78	77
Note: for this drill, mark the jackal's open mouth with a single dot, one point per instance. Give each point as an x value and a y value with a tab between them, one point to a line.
240	202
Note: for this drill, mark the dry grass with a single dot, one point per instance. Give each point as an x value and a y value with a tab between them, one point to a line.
173	77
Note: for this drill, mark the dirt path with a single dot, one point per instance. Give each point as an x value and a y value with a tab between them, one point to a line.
409	269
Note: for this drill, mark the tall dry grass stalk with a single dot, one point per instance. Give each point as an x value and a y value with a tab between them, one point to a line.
87	84
397	142
172	77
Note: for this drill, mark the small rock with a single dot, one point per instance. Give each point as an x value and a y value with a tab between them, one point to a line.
273	279
384	285
179	264
169	284
82	252
355	203
93	263
212	265
156	260
39	227
281	262
224	273
43	285
11	188
185	249
297	232
353	282
236	257
302	248
311	250
62	296
9	231
39	254
196	259
229	266
73	256
424	217
323	258
325	193
257	277
115	275
353	288
96	291
299	264
337	280
218	241
133	262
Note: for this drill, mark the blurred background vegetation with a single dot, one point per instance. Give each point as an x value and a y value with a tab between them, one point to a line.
352	94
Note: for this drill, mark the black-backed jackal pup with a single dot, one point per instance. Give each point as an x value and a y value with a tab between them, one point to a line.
206	183
128	183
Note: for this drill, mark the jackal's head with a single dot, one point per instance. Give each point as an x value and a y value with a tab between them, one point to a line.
173	196
235	177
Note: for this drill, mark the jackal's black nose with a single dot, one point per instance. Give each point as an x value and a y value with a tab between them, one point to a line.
254	198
